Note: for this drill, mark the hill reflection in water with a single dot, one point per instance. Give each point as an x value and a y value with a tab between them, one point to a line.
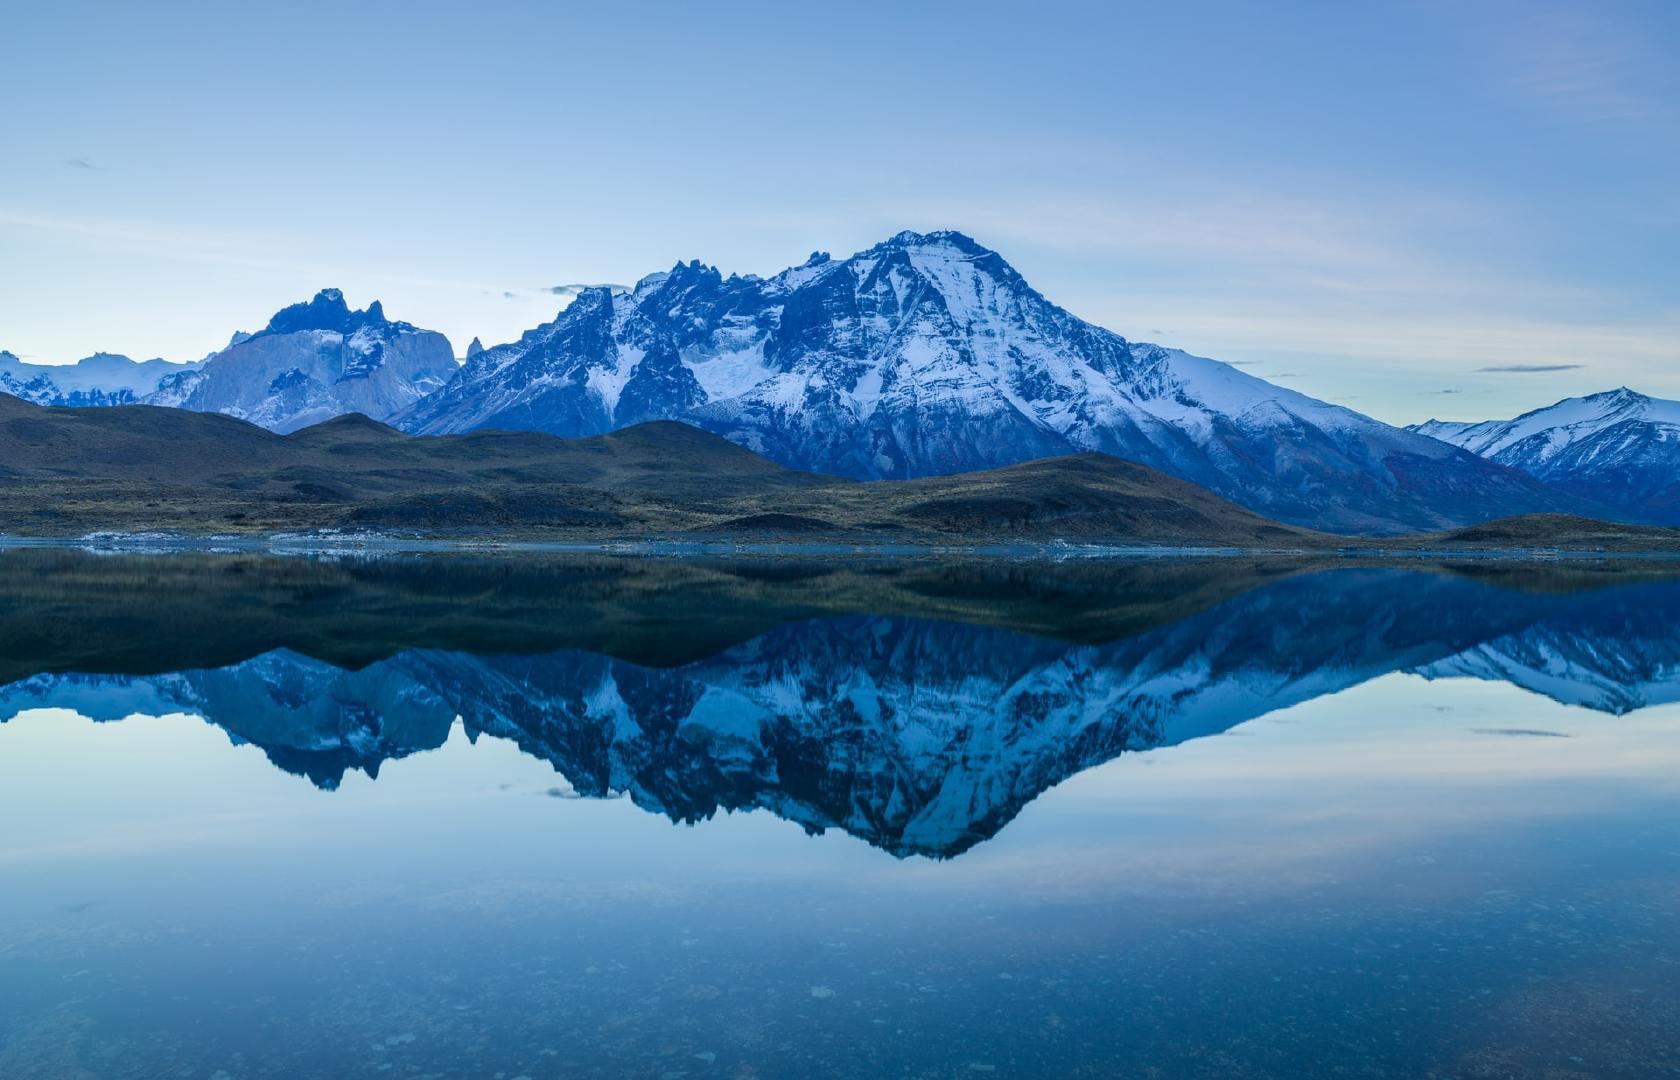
917	705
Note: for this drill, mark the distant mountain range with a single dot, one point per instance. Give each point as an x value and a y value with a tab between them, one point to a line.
1619	448
925	355
97	380
920	736
313	361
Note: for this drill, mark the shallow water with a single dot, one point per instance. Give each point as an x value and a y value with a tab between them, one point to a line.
576	817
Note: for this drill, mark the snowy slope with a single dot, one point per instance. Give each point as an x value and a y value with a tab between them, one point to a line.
97	380
929	354
1619	448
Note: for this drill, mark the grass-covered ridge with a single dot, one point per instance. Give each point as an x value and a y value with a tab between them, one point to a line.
70	471
67	472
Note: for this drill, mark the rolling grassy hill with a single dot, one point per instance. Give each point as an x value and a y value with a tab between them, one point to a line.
65	472
70	471
1564	532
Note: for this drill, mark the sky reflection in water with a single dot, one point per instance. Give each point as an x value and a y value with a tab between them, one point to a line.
1307	849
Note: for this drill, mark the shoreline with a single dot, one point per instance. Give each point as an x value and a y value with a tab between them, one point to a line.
331	543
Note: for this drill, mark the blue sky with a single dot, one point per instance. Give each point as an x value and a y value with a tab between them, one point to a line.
1405	208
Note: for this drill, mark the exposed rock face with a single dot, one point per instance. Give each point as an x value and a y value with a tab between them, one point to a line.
312	362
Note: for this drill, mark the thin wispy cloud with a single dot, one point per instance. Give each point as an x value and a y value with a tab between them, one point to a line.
1389	250
571	291
1529	369
252	248
1582	64
1447	340
268	255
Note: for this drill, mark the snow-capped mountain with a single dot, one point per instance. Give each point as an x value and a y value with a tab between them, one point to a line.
919	736
97	380
312	362
1619	448
929	354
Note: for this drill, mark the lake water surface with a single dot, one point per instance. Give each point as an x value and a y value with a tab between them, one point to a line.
567	817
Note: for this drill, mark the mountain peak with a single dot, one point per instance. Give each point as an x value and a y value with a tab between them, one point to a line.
325	311
105	362
947	238
1614	447
693	270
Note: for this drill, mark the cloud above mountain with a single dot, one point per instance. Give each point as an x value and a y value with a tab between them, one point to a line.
571	291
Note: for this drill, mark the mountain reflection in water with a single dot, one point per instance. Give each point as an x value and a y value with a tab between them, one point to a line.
918	706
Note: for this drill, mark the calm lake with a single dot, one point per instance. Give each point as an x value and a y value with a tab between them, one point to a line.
455	816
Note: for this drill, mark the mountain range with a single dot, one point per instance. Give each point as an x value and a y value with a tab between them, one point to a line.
928	355
97	380
1618	448
919	735
313	361
925	355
